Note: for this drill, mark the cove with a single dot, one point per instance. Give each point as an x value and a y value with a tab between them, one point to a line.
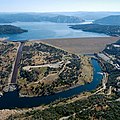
12	100
48	30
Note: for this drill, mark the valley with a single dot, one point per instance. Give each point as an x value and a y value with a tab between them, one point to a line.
45	69
60	66
101	103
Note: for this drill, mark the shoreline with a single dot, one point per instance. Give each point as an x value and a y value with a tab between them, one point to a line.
87	72
76	90
74	86
67	88
84	45
89	45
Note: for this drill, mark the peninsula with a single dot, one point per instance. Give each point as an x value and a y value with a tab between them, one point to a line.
10	29
111	30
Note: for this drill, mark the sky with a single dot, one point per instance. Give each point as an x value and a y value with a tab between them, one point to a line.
58	5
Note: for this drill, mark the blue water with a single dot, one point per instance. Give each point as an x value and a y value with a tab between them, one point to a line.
48	30
12	99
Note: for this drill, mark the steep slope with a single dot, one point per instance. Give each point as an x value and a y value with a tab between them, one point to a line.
110	20
29	17
112	30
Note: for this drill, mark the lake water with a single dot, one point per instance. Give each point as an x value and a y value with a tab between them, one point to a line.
48	30
12	99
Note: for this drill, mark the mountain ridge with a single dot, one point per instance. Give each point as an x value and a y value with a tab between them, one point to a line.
29	17
110	20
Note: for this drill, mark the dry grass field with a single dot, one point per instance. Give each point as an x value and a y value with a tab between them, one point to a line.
46	69
82	45
8	52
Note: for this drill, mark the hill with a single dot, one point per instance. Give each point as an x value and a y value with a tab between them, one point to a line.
38	17
110	20
10	29
89	15
113	30
100	104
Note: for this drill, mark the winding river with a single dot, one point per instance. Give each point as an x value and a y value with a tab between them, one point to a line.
12	99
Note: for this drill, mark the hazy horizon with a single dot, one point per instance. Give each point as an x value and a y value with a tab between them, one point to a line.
63	12
59	6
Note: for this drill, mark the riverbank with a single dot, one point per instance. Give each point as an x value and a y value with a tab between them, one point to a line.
36	101
29	102
46	69
78	93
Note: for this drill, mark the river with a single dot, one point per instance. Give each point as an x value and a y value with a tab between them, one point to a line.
48	30
12	99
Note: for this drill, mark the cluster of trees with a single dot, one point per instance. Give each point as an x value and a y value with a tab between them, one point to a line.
113	30
29	75
43	48
10	29
94	107
52	54
114	73
4	47
6	61
71	73
67	77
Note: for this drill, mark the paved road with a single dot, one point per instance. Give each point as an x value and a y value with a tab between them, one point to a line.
16	65
55	65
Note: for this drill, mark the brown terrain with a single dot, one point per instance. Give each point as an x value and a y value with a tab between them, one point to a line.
46	69
74	45
8	51
82	45
3	39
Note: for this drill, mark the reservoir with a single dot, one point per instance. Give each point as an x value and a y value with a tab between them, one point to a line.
48	30
12	99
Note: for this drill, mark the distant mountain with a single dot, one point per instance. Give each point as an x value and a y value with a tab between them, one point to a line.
70	17
38	17
10	29
112	30
89	15
110	20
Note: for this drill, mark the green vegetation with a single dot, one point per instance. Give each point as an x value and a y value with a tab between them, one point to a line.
8	52
97	105
45	70
113	30
10	29
37	81
94	107
113	50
